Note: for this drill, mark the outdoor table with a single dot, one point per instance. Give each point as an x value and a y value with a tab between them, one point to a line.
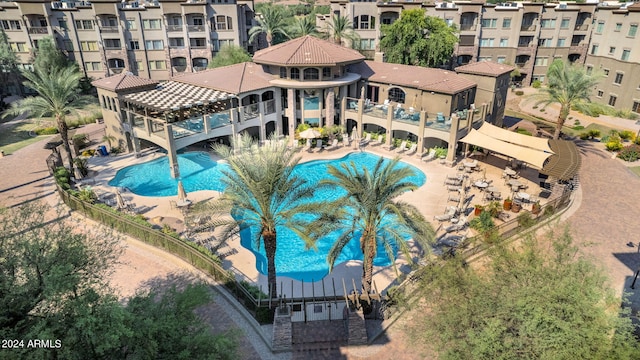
523	196
514	183
183	203
481	184
493	189
510	172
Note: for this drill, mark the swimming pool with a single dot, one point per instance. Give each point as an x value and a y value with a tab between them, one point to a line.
199	172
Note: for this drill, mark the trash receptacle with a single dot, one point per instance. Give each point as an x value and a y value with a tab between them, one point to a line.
103	150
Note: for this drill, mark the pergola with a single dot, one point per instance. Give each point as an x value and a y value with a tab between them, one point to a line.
174	95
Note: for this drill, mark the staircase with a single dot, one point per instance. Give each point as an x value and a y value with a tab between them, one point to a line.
318	339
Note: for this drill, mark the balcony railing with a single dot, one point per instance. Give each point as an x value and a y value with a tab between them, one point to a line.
108	29
524	44
219	119
466	27
174	27
195	28
250	111
269	106
529	27
38	30
582	27
198	46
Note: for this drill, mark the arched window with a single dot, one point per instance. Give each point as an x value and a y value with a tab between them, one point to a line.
326	73
311	74
283	72
397	95
104	102
295	73
115	108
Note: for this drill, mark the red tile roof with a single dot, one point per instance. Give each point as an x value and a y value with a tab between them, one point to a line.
124	81
307	50
489	68
428	79
235	79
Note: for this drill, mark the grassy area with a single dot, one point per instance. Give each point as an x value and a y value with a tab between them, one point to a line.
635	170
16	136
550	126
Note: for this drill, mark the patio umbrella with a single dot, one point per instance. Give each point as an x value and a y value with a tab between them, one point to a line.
310	133
182	195
120	201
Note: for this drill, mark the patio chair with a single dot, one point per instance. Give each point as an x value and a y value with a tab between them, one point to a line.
333	146
447	215
380	140
440	117
402	147
454	188
318	145
412	150
454	197
366	140
460	225
430	156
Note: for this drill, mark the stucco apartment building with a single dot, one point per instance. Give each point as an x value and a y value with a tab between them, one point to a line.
529	35
155	39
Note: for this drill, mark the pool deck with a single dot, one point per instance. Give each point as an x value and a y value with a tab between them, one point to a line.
431	199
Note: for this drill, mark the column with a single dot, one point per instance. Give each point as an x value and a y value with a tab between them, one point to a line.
278	105
331	105
206	122
132	131
343	108
320	107
453	138
291	114
263	128
388	140
421	124
171	152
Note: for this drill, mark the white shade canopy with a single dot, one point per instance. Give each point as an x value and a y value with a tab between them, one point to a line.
529	155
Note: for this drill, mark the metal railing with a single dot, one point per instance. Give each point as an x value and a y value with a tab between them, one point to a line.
108	29
38	30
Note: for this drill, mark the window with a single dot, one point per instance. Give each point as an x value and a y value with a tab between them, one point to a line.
504	42
538	77
484	58
295	73
111	43
600	93
11	25
606	72
548	23
311	74
506	23
198	43
283	73
89	45
562	42
501	59
223	22
179	62
612	100
594	49
545	42
448	21
198	21
115	63
84	24
154	45
364	22
68	45
176	42
326	72
63	23
134	45
564	23
218	44
397	95
589	70
636	106
157	65
618	27
489	23
93	66
542	61
633	29
110	21
151	24
486	42
139	66
18	46
618	79
131	24
600	27
625	55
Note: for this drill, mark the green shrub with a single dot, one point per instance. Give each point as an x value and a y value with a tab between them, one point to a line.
86	195
535	106
72	124
525	220
578	127
536	84
47	131
626	134
519	92
440	151
118	150
62	177
614	142
593	133
82	165
630	153
523	131
585	136
542	110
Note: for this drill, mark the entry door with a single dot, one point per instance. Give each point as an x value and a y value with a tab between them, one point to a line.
372	93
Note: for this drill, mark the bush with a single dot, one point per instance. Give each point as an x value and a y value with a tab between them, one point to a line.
116	150
62	177
630	153
536	84
584	136
626	134
578	127
440	152
86	195
593	133
82	165
47	131
525	220
614	142
519	92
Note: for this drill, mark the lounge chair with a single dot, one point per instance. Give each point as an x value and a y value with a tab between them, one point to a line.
447	215
366	139
412	150
318	145
333	146
402	147
380	140
430	156
460	225
345	141
454	197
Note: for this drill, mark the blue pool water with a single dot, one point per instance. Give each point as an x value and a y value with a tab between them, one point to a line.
199	172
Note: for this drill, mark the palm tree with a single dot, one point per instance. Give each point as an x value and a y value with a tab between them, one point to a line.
262	192
303	26
341	29
369	207
109	139
567	85
271	22
58	95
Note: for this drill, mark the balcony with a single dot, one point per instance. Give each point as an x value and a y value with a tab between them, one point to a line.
198	46
524	45
38	30
528	27
467	27
195	28
582	27
108	29
174	27
116	70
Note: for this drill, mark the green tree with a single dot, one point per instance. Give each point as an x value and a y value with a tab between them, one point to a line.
48	57
534	302
369	207
303	26
58	95
271	22
340	31
567	85
263	193
417	39
8	64
229	55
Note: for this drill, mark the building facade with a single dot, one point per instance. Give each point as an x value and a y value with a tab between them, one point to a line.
305	80
155	39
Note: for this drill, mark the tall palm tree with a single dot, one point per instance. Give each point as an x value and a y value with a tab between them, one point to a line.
369	207
58	95
262	192
271	22
303	26
341	31
567	85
